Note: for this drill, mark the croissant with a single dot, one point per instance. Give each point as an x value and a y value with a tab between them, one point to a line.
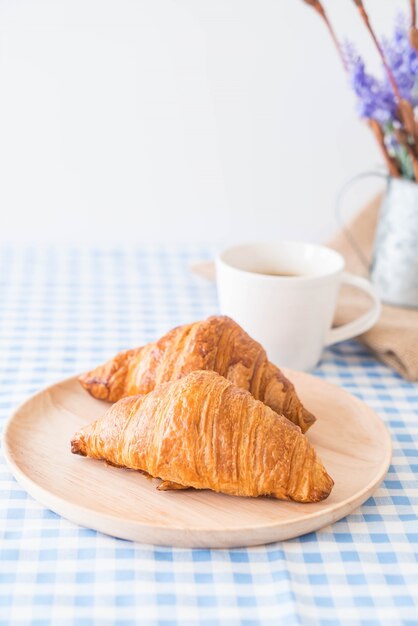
202	431
217	343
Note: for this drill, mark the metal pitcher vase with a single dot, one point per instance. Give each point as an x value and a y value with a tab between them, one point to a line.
394	266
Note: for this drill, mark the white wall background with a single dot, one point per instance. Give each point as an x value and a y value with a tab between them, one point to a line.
175	120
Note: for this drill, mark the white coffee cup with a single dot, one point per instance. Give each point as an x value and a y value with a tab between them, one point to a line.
290	315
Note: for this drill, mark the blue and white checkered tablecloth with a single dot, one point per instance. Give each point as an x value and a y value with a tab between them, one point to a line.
64	310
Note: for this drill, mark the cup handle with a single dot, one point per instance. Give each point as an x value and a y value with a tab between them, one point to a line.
365	321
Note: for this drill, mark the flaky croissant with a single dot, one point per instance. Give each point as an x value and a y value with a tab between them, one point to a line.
217	343
204	432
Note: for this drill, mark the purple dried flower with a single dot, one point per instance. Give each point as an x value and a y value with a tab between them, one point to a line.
375	99
402	59
389	102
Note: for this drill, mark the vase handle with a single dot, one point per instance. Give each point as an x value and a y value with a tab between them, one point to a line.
338	211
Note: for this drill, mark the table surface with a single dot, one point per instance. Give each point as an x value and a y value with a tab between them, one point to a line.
65	310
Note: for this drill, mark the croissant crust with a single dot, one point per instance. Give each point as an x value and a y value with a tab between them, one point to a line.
204	432
218	344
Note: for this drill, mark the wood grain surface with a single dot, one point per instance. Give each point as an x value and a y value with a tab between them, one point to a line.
349	437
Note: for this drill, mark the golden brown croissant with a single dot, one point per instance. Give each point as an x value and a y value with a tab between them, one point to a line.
217	343
204	432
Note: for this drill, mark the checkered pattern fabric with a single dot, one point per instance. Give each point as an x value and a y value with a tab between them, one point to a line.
65	310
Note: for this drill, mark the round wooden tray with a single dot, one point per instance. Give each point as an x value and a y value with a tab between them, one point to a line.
349	437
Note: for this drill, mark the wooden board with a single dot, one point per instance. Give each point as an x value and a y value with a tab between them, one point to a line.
349	437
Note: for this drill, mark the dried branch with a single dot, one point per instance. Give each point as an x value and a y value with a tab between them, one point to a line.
404	108
413	37
402	139
407	115
390	76
318	7
412	4
413	31
380	137
407	136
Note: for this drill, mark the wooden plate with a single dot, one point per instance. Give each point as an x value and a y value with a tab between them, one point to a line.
349	437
